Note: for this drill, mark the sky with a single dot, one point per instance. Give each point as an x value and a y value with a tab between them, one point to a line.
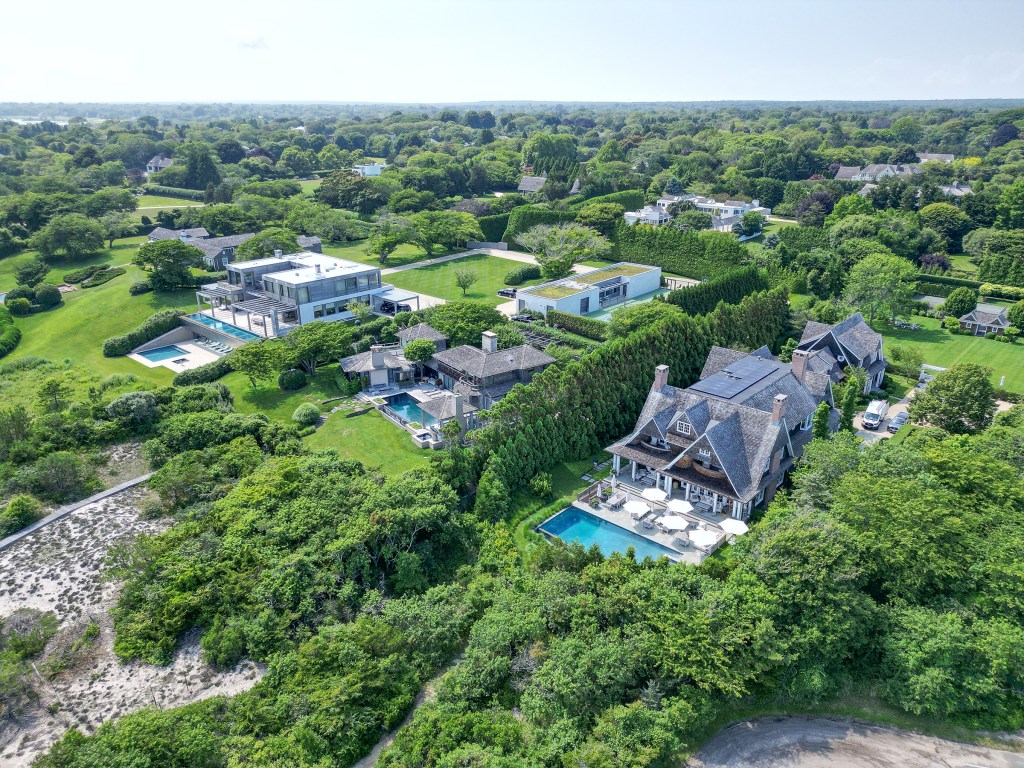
449	51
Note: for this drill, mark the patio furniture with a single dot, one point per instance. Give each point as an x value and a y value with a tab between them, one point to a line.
647	523
679	506
616	500
654	494
637	509
682	541
703	540
675	523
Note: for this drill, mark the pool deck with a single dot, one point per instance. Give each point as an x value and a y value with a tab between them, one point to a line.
195	357
687	555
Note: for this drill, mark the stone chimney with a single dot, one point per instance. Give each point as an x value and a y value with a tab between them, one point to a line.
755	203
777	405
660	376
278	253
799	364
459	417
489	341
377	356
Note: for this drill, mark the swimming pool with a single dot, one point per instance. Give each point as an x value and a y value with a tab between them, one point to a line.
223	327
604	315
160	354
406	406
574	525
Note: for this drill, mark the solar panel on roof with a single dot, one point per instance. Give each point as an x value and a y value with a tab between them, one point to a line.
735	378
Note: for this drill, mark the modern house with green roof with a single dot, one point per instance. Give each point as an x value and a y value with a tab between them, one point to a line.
581	294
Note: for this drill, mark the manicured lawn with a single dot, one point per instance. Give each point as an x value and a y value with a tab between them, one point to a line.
162	201
120	254
356	251
275	403
943	349
371	439
309	186
963	261
439	279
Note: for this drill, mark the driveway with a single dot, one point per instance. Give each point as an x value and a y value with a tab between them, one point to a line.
820	742
874	435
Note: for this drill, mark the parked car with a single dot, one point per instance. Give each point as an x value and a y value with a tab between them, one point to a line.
875	413
508	293
523	318
897	421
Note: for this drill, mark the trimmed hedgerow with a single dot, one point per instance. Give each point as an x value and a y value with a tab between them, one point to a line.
188	194
587	327
956	282
730	288
9	334
204	374
104	276
78	275
630	199
140	287
493	227
526	216
156	325
520	275
700	255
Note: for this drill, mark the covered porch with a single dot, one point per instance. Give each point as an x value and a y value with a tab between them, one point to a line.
709	494
393	300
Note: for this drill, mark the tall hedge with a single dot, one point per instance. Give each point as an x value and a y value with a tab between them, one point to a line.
700	255
187	194
730	288
956	282
569	412
630	199
802	239
587	327
155	325
526	216
493	227
10	334
1003	259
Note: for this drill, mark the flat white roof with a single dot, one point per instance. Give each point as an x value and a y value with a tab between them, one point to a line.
301	267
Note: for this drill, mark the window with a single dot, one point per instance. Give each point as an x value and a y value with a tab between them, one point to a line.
318	310
303	297
331	309
248	279
684	428
704	453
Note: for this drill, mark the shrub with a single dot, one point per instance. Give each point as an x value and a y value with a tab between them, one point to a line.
135	409
9	338
21	511
306	415
78	275
140	287
48	295
587	327
20	292
156	325
699	255
1011	292
520	275
19	307
493	227
541	485
204	374
103	276
291	380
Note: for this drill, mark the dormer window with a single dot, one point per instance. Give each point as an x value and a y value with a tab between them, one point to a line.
684	428
704	453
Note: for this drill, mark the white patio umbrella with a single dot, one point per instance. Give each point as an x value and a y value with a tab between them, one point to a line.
654	494
615	482
701	538
636	508
680	506
734	526
675	523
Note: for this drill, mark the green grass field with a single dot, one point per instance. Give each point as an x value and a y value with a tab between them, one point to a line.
356	251
151	205
122	253
371	439
963	261
439	279
309	186
942	348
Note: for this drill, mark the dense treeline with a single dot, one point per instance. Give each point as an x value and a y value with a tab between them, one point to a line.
730	288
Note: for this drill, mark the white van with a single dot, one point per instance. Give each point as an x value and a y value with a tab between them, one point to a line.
875	413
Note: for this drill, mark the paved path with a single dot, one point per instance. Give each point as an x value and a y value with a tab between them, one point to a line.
820	742
68	509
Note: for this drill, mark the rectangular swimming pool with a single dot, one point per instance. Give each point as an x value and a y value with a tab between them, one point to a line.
160	354
576	526
406	406
223	327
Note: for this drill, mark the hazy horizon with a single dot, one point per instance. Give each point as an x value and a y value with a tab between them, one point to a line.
462	52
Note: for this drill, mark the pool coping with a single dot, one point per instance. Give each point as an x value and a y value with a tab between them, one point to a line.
677	559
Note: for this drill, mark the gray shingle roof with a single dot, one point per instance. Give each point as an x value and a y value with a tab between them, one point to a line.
531	183
420	331
443	408
847	172
308	241
473	361
363	362
986	315
853	335
162	233
214	245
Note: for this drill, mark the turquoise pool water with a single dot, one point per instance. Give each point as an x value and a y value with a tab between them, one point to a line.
574	525
605	315
217	325
409	409
163	353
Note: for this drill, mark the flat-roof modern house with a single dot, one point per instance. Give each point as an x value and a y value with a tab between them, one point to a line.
270	296
935	157
580	294
830	349
369	169
725	443
649	214
485	374
984	319
723	213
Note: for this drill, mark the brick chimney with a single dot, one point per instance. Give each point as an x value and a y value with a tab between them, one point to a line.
777	405
489	341
799	364
660	376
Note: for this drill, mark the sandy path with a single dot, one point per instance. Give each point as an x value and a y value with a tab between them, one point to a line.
818	742
58	569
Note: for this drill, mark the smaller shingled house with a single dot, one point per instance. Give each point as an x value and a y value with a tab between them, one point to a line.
831	348
485	374
985	318
529	184
422	331
185	235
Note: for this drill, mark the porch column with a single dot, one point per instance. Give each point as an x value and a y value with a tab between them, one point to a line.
199	306
248	320
657	480
632	469
616	462
273	322
233	321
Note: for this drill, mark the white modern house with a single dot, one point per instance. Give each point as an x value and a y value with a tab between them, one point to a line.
580	294
649	214
723	214
270	296
369	169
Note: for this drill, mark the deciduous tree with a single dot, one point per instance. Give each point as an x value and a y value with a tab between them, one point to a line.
960	400
882	285
558	247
